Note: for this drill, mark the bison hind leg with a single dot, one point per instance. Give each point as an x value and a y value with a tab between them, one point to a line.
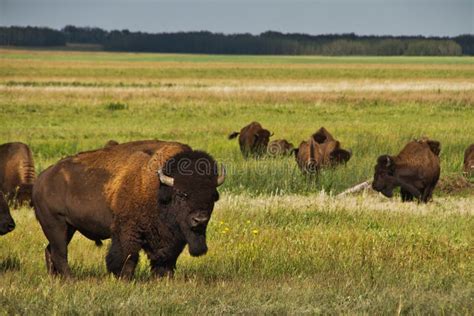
56	251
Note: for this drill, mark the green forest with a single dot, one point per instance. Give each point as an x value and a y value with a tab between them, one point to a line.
267	43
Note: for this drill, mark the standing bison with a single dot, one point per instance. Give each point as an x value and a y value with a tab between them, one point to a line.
152	195
7	224
17	172
253	139
415	170
469	160
321	150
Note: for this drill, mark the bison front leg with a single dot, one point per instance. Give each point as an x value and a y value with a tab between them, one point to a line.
163	260
163	269
122	257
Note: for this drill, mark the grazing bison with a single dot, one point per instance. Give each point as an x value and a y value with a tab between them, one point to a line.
111	143
321	150
7	224
253	139
279	147
469	160
415	170
152	195
17	172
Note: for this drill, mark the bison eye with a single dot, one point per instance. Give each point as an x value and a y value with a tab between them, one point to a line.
182	195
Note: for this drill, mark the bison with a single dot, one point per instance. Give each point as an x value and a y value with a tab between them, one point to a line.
469	160
253	139
7	224
321	150
152	195
415	170
17	172
280	147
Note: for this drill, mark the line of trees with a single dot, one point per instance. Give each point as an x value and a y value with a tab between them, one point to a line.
274	43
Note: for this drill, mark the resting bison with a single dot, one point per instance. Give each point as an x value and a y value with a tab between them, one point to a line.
152	195
17	172
7	224
415	170
321	150
469	160
111	143
253	139
279	147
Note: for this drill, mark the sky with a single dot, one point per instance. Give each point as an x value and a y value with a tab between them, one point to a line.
363	17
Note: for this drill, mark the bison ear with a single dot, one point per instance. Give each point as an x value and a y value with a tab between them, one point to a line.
340	156
435	146
385	161
319	137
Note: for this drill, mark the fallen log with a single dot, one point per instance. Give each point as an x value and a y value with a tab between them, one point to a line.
357	188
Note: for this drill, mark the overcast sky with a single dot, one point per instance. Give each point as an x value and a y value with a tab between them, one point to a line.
392	17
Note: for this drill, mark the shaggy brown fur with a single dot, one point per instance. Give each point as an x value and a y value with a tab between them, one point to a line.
253	139
415	169
279	147
7	224
469	160
17	172
321	150
116	193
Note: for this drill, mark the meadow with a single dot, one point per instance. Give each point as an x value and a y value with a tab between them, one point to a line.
279	242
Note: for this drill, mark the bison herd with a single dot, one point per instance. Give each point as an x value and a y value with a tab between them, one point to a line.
158	196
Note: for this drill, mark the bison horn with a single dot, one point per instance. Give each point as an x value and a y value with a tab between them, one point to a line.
388	161
221	178
169	181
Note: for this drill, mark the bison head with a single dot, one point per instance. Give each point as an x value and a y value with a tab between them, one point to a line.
6	221
187	195
386	180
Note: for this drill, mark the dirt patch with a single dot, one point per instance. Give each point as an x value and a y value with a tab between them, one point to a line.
455	184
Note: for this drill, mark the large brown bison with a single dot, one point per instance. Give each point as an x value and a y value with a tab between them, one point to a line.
253	139
321	150
17	172
152	195
415	170
7	224
280	147
469	160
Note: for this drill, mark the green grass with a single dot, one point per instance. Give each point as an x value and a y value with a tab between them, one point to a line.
270	255
277	245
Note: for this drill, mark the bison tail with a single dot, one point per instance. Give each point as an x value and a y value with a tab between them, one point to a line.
99	243
233	135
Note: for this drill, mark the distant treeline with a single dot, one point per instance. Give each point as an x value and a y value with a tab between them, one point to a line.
272	43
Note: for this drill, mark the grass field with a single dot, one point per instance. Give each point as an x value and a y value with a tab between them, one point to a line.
279	242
